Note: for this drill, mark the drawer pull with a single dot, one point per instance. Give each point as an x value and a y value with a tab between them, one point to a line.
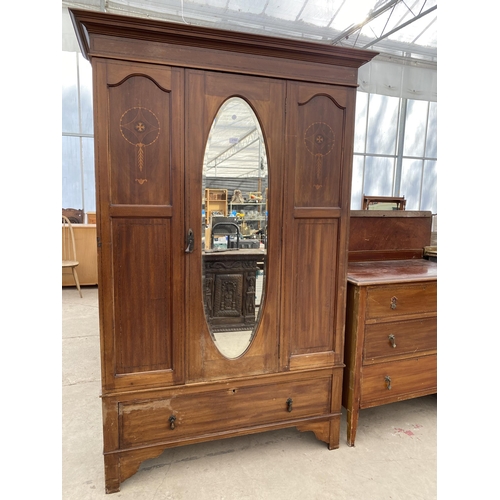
289	403
388	382
392	340
394	301
172	421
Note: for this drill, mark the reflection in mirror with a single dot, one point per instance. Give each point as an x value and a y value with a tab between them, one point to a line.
234	227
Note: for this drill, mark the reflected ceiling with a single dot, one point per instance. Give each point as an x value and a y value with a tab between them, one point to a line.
235	145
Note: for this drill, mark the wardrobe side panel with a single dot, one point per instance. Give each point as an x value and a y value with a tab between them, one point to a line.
318	152
315	214
140	189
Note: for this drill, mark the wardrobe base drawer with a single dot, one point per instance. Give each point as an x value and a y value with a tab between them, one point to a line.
187	415
398	379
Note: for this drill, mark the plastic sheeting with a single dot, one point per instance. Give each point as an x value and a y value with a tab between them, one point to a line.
398	79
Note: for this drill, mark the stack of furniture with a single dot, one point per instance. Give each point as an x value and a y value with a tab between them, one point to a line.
215	204
391	321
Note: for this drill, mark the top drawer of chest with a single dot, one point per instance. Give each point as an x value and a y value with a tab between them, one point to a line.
393	301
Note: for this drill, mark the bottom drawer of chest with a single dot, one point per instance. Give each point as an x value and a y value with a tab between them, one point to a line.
187	415
397	380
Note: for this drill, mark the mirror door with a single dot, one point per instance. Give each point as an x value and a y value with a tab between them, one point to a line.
234	126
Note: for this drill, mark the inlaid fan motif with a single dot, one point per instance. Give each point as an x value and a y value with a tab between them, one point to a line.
319	139
140	127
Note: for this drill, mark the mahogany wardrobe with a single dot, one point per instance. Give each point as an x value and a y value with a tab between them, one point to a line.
157	89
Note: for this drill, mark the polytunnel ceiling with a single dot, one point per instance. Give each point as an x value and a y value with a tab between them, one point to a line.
406	28
399	29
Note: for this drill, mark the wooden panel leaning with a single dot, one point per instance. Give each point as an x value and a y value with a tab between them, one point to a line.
388	234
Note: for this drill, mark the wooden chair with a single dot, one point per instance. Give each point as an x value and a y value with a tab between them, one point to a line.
69	250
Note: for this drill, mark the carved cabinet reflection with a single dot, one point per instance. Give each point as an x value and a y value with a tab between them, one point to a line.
230	288
165	301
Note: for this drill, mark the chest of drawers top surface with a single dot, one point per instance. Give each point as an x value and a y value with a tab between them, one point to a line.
391	271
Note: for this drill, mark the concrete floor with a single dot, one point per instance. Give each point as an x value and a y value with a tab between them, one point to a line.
394	457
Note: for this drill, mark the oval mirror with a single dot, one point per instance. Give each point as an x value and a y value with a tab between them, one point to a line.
234	232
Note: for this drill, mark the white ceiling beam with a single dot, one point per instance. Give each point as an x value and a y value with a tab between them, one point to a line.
250	138
357	27
401	26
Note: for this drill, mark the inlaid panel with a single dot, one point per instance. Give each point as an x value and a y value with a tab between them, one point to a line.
140	142
318	153
142	295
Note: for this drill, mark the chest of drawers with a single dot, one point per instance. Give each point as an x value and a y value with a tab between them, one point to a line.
391	335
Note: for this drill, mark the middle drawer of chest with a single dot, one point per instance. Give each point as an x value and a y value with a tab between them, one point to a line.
398	338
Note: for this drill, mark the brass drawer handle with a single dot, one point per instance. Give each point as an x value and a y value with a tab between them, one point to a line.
172	420
388	382
394	301
289	403
392	340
